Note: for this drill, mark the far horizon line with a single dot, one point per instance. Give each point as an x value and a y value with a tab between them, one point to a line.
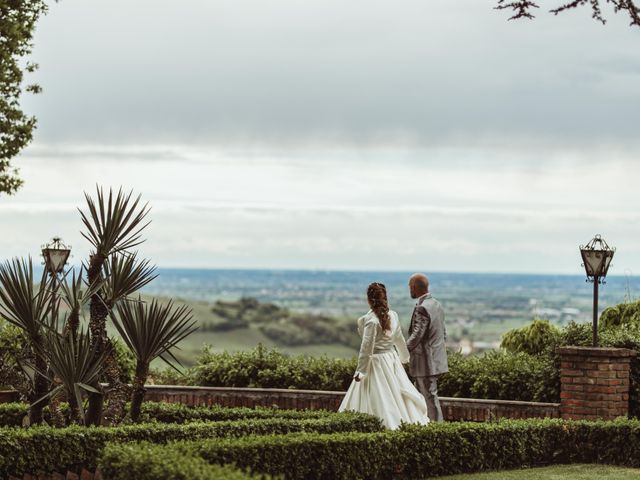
356	270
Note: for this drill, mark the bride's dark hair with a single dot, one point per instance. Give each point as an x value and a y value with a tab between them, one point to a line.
377	297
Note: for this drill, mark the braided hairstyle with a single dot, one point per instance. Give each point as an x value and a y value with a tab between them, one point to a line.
377	297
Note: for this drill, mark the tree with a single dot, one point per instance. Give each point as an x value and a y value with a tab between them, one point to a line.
524	8
151	331
18	19
27	307
114	225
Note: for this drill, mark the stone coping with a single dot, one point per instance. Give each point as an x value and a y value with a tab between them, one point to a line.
597	351
177	389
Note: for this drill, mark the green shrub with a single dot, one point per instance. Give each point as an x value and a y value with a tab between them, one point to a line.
178	413
269	368
125	359
152	462
501	375
535	339
13	348
70	448
422	452
11	414
623	314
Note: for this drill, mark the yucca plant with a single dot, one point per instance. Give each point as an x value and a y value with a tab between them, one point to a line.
114	224
76	294
124	275
28	306
76	367
151	330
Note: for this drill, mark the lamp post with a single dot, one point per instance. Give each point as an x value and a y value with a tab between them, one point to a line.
55	255
596	259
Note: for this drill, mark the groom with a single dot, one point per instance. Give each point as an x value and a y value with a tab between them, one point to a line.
426	343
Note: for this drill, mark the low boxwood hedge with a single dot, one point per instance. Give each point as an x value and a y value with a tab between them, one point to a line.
12	414
62	449
179	413
154	462
421	452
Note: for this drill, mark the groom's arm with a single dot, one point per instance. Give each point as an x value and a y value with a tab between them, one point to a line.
421	323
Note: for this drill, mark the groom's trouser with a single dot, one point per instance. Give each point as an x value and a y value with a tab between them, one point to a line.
428	387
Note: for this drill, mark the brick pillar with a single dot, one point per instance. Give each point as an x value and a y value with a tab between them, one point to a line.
594	382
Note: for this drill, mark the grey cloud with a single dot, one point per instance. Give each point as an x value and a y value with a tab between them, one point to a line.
329	72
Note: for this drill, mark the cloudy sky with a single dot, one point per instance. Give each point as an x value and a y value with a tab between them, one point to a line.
339	135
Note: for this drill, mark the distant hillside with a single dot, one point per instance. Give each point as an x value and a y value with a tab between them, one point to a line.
280	324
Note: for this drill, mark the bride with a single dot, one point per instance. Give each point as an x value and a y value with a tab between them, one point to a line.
380	385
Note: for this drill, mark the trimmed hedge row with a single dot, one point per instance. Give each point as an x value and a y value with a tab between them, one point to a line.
179	413
62	449
496	375
154	462
421	452
11	414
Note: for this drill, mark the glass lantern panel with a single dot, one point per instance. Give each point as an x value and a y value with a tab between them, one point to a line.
56	259
607	262
593	262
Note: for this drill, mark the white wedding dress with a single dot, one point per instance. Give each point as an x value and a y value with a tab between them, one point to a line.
384	389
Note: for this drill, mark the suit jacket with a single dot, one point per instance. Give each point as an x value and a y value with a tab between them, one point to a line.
426	342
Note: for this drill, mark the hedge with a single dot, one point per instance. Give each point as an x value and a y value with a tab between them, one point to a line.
270	368
154	462
11	414
179	413
62	449
495	375
421	452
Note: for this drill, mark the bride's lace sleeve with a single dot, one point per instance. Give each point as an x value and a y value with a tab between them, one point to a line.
399	342
366	348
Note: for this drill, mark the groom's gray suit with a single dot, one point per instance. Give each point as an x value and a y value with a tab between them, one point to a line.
426	344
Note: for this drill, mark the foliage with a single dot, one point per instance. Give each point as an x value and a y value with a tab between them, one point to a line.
496	375
501	375
14	349
61	449
151	331
11	414
27	307
17	24
114	225
153	462
523	8
73	364
269	368
623	314
426	451
534	339
125	359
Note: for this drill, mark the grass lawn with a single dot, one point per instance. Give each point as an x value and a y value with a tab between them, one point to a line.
558	472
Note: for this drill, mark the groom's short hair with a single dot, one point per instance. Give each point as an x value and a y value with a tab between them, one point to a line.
421	281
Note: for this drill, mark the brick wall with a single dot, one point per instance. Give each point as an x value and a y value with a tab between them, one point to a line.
454	409
594	382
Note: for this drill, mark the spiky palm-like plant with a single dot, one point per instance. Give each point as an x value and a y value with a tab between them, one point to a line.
75	366
114	224
75	295
151	330
124	275
27	306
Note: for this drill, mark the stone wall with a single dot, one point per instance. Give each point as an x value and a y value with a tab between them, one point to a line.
454	409
594	382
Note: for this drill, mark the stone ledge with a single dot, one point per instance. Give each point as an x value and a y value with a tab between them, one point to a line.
597	352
